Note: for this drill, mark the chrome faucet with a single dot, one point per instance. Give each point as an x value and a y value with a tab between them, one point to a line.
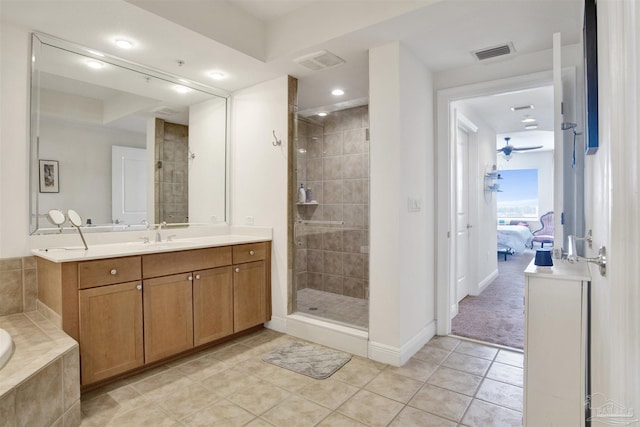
158	235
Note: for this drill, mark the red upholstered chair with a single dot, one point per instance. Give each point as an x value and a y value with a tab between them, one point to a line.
545	233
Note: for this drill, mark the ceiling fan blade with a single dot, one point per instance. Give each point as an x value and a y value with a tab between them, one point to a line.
526	148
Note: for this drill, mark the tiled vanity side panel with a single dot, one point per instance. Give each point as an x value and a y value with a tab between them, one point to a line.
18	285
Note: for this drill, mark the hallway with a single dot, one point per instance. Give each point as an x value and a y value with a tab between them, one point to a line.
497	314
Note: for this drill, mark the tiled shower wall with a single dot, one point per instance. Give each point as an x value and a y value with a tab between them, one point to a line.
172	177
18	285
333	161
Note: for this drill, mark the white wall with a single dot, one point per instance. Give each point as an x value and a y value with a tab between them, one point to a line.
402	243
259	174
515	66
14	146
613	209
207	173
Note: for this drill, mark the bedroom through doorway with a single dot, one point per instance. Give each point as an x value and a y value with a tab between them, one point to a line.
504	183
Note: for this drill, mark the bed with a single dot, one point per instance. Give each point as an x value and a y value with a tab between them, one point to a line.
516	237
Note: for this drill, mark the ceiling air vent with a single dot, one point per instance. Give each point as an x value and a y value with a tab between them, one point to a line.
319	60
494	52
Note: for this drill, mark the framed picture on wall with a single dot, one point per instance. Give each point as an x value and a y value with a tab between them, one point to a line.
49	181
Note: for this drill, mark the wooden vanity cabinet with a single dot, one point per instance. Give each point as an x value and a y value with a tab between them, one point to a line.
249	286
110	330
168	316
131	311
110	317
212	305
249	308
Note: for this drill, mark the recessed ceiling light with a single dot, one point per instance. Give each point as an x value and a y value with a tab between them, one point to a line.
217	75
528	120
532	126
124	44
322	114
337	92
96	65
181	89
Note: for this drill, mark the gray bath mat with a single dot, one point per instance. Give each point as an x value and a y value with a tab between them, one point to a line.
313	361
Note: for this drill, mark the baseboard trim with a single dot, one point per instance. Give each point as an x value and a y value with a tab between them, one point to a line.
278	324
486	282
340	337
453	310
399	356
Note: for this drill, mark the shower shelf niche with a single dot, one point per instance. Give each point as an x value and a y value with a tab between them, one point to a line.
314	203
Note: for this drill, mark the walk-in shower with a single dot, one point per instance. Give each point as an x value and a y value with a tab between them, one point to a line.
331	222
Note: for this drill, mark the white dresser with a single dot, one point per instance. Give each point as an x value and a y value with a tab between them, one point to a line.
556	344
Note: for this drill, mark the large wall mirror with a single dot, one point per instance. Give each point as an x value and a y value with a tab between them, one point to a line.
122	144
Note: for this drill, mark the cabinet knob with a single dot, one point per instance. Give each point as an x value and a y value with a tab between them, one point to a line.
252	252
114	272
197	276
237	269
139	287
190	278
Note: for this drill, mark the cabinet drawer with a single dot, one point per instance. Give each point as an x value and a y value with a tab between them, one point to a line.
108	271
164	264
249	252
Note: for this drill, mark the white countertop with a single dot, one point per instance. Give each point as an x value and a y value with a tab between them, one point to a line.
111	250
561	270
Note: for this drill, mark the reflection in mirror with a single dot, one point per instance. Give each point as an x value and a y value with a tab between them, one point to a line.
56	217
132	144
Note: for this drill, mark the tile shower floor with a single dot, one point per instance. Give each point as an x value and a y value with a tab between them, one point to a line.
334	307
449	382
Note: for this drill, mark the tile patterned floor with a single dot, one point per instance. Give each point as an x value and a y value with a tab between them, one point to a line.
449	382
333	307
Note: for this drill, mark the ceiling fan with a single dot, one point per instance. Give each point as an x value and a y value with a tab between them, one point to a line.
508	149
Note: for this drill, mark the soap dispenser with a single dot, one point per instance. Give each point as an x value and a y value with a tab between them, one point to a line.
302	195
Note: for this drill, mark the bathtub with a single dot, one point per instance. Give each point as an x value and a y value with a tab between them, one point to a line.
6	347
40	379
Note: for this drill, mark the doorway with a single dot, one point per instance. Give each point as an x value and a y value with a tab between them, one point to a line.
483	252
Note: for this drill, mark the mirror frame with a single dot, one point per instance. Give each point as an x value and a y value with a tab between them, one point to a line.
40	39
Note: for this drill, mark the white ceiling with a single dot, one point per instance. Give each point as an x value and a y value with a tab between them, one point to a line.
495	110
254	41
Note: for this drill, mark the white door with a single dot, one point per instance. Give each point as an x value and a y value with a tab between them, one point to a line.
128	185
558	154
462	214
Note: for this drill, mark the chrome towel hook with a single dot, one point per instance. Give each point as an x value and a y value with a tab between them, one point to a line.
277	141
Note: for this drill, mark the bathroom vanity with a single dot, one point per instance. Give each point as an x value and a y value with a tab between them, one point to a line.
154	301
556	351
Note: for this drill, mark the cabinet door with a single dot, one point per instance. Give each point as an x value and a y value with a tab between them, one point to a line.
110	330
249	295
168	316
212	304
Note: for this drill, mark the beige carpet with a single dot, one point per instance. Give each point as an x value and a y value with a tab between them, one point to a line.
497	314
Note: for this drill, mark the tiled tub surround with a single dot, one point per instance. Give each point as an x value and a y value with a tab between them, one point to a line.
18	285
40	385
333	161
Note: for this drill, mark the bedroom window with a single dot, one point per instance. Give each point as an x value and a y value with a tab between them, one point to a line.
519	194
